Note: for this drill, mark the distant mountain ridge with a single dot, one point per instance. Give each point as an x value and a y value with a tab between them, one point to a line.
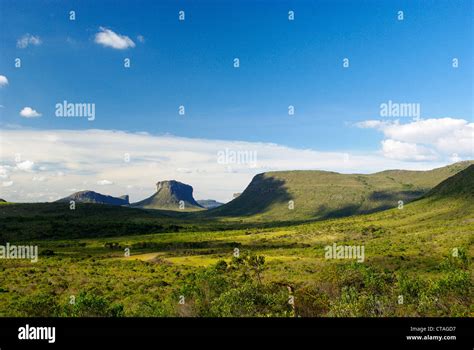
94	197
170	195
209	203
450	201
314	194
303	195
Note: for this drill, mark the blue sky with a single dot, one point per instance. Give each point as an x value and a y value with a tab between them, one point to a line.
282	63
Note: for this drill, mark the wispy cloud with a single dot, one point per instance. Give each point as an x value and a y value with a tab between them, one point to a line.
108	38
132	163
27	40
104	182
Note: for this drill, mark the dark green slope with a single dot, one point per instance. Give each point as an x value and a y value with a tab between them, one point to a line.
460	185
322	194
25	221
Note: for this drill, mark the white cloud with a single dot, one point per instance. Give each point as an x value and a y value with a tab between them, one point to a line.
424	131
141	38
425	139
460	141
104	182
26	165
108	38
3	81
4	171
406	151
7	183
27	40
77	158
29	112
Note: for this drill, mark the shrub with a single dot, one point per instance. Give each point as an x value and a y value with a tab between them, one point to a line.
92	305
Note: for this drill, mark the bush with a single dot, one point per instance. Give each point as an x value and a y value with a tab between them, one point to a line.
233	290
92	305
42	304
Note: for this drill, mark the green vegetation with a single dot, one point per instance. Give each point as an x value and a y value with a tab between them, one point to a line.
265	203
323	194
26	221
417	263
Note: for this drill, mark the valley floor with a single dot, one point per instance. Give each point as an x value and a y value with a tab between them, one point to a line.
416	263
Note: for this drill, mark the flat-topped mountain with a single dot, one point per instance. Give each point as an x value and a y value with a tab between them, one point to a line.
209	203
94	197
314	194
170	195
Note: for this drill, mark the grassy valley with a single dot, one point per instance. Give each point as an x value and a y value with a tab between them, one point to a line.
417	263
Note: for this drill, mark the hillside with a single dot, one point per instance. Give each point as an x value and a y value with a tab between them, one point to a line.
322	194
459	185
22	221
94	197
420	252
170	195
